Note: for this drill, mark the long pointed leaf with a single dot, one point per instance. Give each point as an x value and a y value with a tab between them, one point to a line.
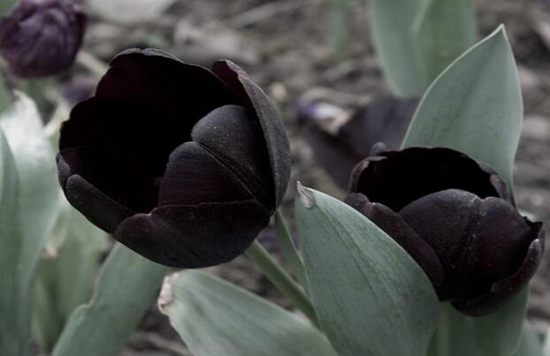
443	30
216	318
391	23
127	285
475	106
39	188
14	315
370	296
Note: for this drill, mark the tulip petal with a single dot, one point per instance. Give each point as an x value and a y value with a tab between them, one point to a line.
255	100
398	230
194	236
182	92
194	176
235	138
478	241
504	289
398	178
97	207
122	154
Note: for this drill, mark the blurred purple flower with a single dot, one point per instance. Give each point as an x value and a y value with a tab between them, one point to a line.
41	37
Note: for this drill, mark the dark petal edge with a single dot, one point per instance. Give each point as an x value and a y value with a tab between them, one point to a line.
97	207
194	236
254	99
394	225
502	290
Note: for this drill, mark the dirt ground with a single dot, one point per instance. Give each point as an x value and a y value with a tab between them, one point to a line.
288	48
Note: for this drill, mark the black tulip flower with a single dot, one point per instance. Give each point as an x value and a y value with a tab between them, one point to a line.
453	216
41	37
181	164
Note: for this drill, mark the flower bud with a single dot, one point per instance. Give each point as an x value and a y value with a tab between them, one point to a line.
41	37
453	216
181	164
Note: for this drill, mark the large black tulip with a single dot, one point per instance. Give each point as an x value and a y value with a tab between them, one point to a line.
181	164
41	37
454	217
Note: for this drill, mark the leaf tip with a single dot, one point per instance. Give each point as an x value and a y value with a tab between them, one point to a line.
305	195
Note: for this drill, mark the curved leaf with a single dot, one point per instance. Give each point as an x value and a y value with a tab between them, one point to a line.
216	318
126	287
14	296
475	106
370	296
391	23
443	30
39	189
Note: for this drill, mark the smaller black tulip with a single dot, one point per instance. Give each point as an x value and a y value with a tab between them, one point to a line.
454	217
41	37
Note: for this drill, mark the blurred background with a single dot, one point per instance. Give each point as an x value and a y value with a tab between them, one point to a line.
302	52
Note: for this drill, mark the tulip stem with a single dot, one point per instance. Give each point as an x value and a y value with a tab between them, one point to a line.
94	65
278	276
289	248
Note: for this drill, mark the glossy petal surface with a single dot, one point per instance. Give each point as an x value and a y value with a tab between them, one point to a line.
124	154
398	178
481	240
235	138
397	228
97	207
195	176
254	99
194	236
181	93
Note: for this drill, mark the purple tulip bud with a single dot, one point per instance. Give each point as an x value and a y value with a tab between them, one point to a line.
181	164
453	216
41	37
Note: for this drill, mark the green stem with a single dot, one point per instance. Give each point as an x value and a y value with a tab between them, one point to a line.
440	341
278	276
95	66
289	249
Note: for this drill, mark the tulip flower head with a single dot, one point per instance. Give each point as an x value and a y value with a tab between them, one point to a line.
41	37
454	217
181	164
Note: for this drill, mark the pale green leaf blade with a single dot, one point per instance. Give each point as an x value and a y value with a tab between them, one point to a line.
530	343
126	287
460	335
14	313
370	296
4	91
443	30
216	318
39	188
66	272
475	107
391	23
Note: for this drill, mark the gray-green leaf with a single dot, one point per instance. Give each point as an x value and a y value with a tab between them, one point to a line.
370	296
127	285
39	188
475	107
216	318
